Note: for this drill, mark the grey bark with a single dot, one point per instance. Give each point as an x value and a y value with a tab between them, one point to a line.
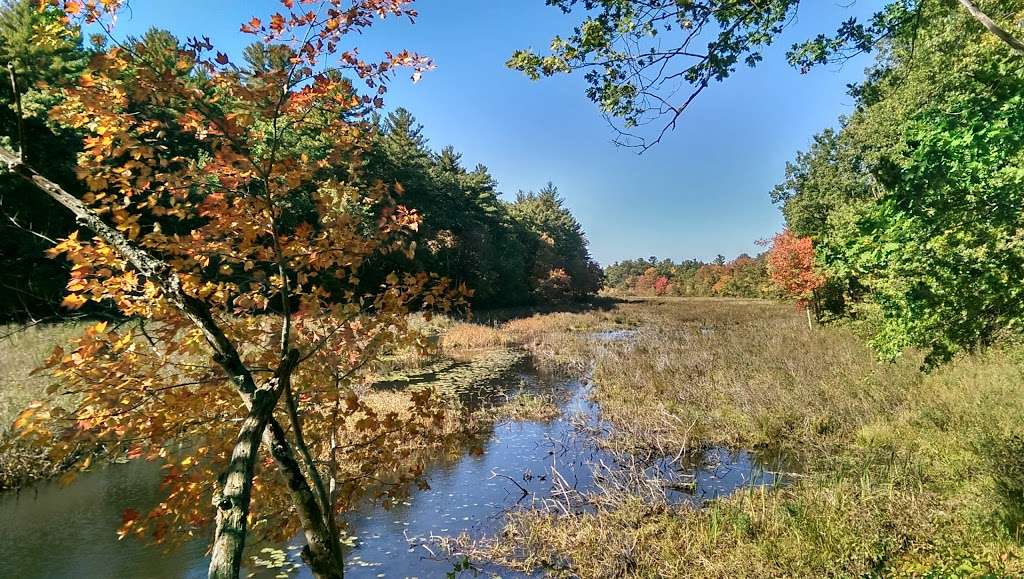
234	496
992	27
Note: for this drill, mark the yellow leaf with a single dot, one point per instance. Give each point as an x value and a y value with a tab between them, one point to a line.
73	301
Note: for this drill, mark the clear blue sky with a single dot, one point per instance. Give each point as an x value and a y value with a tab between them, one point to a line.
702	191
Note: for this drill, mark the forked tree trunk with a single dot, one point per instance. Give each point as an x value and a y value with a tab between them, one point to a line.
234	496
322	551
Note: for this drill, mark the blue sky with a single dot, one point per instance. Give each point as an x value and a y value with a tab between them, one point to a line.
702	191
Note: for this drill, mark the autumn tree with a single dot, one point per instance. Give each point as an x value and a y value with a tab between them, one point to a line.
643	284
792	269
662	286
744	276
223	215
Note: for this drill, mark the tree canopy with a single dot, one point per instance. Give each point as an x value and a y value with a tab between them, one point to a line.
224	217
914	203
645	61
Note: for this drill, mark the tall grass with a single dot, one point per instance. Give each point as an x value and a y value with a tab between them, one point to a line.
22	350
906	474
743	373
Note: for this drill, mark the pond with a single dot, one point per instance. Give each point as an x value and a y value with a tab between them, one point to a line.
53	531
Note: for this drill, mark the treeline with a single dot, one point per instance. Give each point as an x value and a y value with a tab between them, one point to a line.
524	251
745	277
528	250
915	203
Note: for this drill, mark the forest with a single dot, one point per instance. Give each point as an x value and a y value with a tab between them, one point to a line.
523	251
743	277
253	322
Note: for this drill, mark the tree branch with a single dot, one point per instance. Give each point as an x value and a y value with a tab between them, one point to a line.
233	499
992	27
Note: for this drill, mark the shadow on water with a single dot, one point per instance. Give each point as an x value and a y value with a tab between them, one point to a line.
49	531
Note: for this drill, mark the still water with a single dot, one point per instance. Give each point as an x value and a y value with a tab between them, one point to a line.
56	532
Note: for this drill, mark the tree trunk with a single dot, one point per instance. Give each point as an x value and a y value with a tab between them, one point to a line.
232	500
992	27
236	486
322	551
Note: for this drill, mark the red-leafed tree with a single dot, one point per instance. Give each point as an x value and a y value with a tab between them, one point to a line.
643	284
662	286
791	267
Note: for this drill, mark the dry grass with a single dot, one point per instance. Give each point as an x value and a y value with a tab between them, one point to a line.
907	474
22	350
468	336
743	373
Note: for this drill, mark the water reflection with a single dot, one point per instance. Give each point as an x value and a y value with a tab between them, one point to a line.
50	531
56	532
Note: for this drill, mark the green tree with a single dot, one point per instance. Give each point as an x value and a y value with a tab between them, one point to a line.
555	240
37	53
917	201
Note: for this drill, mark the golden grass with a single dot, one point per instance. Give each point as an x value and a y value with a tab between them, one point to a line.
22	350
468	336
906	474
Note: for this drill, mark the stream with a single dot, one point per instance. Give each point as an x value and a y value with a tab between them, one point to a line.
55	532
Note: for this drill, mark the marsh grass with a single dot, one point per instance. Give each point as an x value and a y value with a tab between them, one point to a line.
743	373
22	350
528	406
905	474
462	336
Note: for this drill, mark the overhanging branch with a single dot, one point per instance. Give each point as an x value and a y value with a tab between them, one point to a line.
992	27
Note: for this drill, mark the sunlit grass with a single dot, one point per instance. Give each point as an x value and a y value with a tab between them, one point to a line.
904	473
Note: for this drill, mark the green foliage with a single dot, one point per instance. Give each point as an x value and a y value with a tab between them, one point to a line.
915	204
743	277
646	61
527	251
468	234
30	282
636	54
560	263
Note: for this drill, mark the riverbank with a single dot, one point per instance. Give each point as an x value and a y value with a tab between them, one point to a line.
530	444
867	468
22	350
900	473
469	356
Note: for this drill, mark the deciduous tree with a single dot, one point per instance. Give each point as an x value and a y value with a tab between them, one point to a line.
222	218
645	61
792	269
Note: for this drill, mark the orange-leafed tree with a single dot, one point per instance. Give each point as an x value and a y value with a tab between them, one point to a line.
791	268
643	284
226	219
